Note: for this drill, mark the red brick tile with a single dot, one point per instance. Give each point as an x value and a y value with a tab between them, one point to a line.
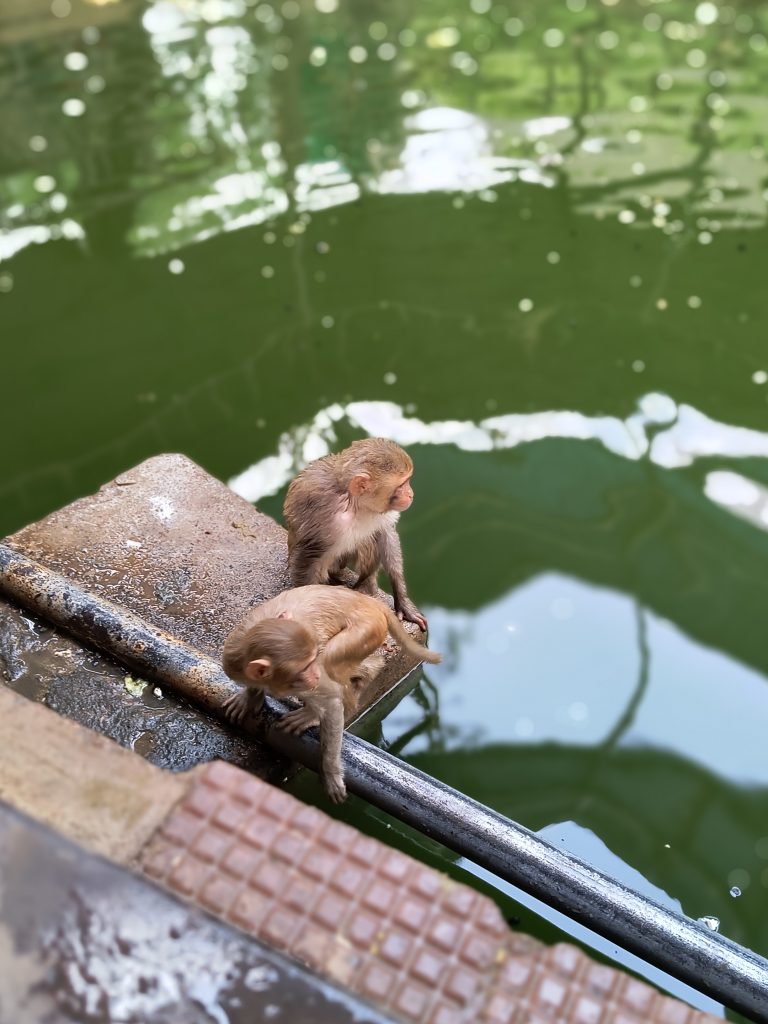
362	929
281	927
338	836
619	1016
565	959
379	895
428	883
249	910
301	893
277	804
395	866
396	948
188	875
460	900
291	846
428	967
444	1013
636	996
478	951
500	1009
670	1011
346	877
201	800
444	932
587	1011
330	910
241	861
343	963
221	775
600	979
260	832
550	993
412	913
181	827
516	974
366	851
320	863
270	877
378	982
211	844
249	790
219	893
308	820
488	918
312	945
229	816
160	858
412	1001
462	985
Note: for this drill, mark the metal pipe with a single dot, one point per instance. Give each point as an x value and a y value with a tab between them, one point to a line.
688	951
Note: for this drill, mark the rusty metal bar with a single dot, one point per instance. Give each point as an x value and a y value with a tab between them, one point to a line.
685	949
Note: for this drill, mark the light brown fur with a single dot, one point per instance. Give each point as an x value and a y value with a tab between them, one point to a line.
339	629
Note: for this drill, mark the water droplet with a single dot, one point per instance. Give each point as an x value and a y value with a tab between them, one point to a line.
327	321
553	257
327	6
627	216
45	183
608	40
6	283
176	266
638	104
377	30
661	304
73	107
75	61
91	35
267	271
387	51
61	8
280	62
696	58
713	923
58	202
390	378
706	13
760	377
95	84
553	37
513	26
525	305
735	891
694	301
38	143
290	10
638	366
635	281
705	237
358	54
322	248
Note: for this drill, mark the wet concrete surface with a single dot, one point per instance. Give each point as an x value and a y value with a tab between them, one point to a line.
84	941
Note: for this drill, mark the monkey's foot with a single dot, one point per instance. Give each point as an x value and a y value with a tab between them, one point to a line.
408	611
240	705
298	721
335	788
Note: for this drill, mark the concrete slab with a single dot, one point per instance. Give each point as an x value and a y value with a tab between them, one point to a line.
81	940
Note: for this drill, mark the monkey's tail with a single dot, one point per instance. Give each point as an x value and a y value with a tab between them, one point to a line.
408	643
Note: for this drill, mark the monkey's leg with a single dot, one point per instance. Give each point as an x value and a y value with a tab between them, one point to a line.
239	706
306	564
392	561
367	563
331	732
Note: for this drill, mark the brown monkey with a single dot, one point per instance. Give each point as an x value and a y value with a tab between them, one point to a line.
312	643
342	510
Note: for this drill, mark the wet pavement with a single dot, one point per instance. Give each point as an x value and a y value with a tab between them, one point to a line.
84	941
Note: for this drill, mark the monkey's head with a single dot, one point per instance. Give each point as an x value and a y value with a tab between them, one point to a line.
378	475
278	655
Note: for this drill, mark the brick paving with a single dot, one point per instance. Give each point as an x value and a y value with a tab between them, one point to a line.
424	947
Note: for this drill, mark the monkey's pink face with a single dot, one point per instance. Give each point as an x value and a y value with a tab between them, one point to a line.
402	496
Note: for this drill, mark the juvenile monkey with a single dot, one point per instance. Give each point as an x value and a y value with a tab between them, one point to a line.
342	511
312	643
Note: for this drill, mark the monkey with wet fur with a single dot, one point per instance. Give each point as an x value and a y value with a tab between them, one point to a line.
314	643
342	511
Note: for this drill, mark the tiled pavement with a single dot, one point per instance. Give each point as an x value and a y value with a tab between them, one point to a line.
403	935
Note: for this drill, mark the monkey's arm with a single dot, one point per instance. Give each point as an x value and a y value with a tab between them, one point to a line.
392	562
331	732
306	563
241	705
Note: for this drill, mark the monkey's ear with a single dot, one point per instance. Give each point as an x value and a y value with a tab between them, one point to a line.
258	669
359	483
285	615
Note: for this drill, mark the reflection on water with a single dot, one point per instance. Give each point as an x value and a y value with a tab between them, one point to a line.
527	241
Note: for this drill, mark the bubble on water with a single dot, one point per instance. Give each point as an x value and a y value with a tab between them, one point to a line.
61	8
73	107
75	61
627	216
458	202
577	6
694	301
378	30
713	923
267	271
407	37
652	22
176	266
318	56
638	366
387	51
480	6
95	83
58	202
327	321
638	167
291	9
634	135
608	40
323	248
717	78
760	377
664	81
6	283
327	6
45	183
553	257
280	62
358	54
513	26
525	305
390	378
90	35
696	58
706	13
443	38
638	104
38	143
735	891
553	38
635	281
705	237
661	304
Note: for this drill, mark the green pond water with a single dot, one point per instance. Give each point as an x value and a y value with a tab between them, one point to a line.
528	241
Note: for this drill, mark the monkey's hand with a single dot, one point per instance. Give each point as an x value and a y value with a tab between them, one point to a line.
299	720
335	788
408	611
240	705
